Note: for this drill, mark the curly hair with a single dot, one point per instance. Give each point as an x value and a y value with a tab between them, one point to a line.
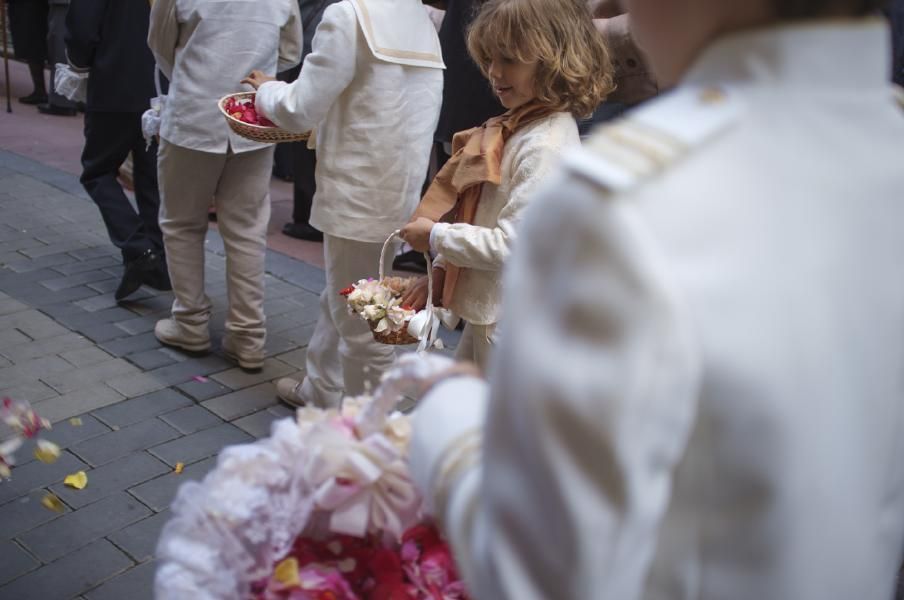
574	72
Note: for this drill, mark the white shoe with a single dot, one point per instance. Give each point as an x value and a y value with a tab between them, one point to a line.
170	332
289	391
249	360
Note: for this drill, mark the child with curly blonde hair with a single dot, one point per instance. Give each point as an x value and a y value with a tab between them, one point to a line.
547	65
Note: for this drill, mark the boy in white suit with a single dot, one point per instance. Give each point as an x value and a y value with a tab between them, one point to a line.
698	389
372	88
204	47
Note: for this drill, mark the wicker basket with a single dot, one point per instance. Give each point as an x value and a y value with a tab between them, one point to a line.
400	337
258	133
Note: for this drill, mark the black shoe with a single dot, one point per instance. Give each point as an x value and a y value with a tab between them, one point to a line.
158	277
134	274
302	231
33	98
412	261
53	109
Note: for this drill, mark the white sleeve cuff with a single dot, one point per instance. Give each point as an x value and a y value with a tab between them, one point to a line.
451	410
437	230
266	98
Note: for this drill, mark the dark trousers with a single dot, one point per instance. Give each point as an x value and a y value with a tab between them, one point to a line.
109	137
304	161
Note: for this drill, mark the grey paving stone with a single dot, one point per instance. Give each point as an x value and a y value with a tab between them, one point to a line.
33	391
71	575
98	303
96	253
16	561
70	281
137	325
59	310
244	402
9	306
239	379
102	332
24	514
142	408
191	419
296	358
86	264
10	280
203	390
159	493
64	434
77	403
84	357
277	344
12	337
89	376
204	443
38	296
140	539
135	584
81	527
151	305
53	250
274	307
185	371
105	286
131	386
33	369
33	323
282	411
35	475
82	317
300	335
116	444
130	345
257	424
44	347
26	264
113	477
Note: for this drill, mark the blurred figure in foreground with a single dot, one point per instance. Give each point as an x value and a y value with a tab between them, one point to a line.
697	392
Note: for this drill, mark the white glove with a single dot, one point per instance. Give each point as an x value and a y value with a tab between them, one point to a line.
71	84
150	120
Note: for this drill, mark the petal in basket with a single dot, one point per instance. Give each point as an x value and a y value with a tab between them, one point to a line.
242	117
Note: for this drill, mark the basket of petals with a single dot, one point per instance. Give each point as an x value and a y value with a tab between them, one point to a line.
379	302
243	118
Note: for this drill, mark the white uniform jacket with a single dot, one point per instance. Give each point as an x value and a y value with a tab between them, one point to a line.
374	113
205	48
482	248
699	388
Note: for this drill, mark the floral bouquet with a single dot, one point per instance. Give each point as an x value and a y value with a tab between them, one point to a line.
379	302
322	509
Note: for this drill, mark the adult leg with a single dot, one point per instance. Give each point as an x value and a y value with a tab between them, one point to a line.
108	139
56	52
304	163
188	180
144	181
28	27
243	212
323	384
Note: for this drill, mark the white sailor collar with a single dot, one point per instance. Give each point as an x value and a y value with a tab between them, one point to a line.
399	31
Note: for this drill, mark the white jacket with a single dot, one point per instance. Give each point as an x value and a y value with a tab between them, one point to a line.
483	248
205	47
374	123
699	388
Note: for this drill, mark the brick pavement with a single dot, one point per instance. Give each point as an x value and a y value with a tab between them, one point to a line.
71	350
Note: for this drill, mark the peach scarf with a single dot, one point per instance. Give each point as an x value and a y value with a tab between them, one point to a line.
476	159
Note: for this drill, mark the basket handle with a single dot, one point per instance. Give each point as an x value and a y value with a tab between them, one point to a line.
397	234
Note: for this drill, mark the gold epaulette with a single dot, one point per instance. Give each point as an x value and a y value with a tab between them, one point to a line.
651	139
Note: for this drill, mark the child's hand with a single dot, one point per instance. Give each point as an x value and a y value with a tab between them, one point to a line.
416	296
257	79
417	234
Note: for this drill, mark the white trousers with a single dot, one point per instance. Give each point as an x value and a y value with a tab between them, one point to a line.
476	344
240	185
342	355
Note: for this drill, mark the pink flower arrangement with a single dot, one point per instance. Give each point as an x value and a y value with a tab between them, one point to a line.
349	568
